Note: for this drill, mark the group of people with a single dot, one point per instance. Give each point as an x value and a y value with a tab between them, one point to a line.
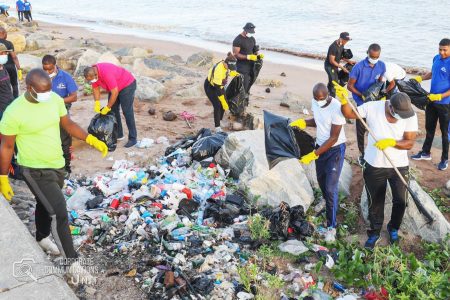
24	10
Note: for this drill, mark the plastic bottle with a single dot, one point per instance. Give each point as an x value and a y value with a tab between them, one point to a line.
200	217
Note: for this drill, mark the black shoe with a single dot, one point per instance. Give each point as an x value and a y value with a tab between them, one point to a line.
130	144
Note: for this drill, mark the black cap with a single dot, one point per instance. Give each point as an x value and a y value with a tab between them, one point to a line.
249	27
345	36
401	103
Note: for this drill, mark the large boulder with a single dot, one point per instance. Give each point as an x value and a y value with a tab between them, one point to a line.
193	92
135	52
345	179
163	65
109	57
95	44
4	25
36	41
68	59
243	153
141	68
28	62
89	58
18	41
200	59
293	101
149	89
413	221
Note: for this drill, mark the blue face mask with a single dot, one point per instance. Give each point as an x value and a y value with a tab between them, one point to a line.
394	114
3	59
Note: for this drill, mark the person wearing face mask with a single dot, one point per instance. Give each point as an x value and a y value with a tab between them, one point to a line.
121	86
363	75
63	85
214	86
33	121
330	147
12	65
246	52
6	95
394	125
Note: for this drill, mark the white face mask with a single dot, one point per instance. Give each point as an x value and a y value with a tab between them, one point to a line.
93	81
52	75
395	115
372	61
3	59
321	103
41	97
250	34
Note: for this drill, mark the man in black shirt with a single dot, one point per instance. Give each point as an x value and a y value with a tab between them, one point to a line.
6	96
246	52
334	56
12	65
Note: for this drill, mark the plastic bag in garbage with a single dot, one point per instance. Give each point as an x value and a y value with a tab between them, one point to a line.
105	128
235	95
257	66
419	96
282	141
208	146
343	76
373	93
279	218
347	54
294	247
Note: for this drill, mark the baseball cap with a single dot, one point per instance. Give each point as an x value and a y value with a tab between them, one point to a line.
3	48
249	27
345	36
401	103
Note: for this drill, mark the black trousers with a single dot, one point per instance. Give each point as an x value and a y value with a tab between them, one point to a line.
51	211
213	93
27	15
12	72
125	101
434	113
20	15
66	143
360	135
332	76
376	180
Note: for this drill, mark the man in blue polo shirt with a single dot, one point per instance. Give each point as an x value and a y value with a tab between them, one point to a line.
439	108
63	85
20	7
363	75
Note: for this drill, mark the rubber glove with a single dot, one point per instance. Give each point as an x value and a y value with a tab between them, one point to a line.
260	56
105	110
385	143
418	79
97	144
19	74
252	57
97	106
341	93
223	102
308	158
435	97
233	73
363	97
300	123
5	187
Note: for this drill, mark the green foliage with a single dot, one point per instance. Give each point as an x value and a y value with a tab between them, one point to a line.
259	227
87	89
351	217
442	202
248	275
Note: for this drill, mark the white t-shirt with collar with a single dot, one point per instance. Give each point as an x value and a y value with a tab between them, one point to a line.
325	117
374	112
393	71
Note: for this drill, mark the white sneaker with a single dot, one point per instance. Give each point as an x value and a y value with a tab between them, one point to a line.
77	274
121	138
218	129
49	247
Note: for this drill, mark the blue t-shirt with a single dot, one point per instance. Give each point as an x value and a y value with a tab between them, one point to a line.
440	80
20	5
365	76
63	84
27	6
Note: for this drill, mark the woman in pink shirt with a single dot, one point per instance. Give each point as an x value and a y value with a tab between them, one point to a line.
121	86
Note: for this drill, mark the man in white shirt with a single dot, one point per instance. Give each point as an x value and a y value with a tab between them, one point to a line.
330	147
393	72
394	125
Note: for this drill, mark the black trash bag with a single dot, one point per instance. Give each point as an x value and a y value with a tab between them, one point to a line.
94	203
282	141
374	93
186	207
188	141
347	54
306	229
208	146
419	96
345	77
279	218
105	128
257	66
203	285
223	212
235	96
297	213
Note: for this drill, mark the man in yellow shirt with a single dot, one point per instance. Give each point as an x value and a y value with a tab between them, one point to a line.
32	122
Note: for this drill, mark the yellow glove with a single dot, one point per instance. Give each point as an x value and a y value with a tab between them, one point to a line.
223	102
260	56
252	57
435	97
300	123
233	73
5	188
97	144
105	110
385	143
97	106
19	74
341	93
308	158
418	79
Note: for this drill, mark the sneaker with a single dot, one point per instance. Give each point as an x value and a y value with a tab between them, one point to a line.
130	144
443	165
421	156
361	160
49	247
393	235
371	242
78	274
121	138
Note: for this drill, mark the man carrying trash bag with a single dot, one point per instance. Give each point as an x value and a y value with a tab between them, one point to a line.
330	148
394	126
41	161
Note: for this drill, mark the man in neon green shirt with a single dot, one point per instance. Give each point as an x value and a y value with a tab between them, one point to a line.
32	122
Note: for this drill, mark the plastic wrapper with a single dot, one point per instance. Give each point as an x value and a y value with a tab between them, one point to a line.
419	96
344	77
105	128
208	146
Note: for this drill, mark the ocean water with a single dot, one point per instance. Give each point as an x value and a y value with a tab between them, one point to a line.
408	31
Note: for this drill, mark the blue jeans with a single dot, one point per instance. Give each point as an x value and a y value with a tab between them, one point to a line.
328	169
126	99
